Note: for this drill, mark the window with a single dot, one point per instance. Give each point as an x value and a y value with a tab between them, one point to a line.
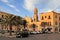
2	15
56	23
49	17
50	23
59	18
59	24
31	20
42	18
45	16
56	16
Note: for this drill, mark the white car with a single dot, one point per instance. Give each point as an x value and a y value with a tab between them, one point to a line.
34	32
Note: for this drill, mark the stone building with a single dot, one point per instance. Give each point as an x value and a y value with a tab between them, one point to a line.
3	15
51	19
33	21
47	20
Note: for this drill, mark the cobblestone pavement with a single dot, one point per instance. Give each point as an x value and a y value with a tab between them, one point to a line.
55	36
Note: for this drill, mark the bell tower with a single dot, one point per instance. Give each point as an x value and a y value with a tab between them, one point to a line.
35	17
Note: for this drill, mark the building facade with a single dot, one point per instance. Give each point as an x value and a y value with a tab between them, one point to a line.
51	19
33	24
47	20
3	15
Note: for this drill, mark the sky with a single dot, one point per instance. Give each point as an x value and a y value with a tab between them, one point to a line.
26	7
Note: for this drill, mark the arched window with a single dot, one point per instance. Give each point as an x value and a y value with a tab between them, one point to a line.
45	16
49	17
56	23
2	15
59	18
42	18
56	16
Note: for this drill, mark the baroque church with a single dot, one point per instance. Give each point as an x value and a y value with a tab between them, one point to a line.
33	24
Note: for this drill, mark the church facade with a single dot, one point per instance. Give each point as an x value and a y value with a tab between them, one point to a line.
33	22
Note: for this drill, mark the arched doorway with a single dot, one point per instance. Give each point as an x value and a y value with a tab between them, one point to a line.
56	29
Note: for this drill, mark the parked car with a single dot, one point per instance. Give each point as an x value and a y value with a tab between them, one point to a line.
23	33
47	30
34	32
2	31
6	31
18	35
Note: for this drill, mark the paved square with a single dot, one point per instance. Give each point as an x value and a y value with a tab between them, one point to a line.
54	36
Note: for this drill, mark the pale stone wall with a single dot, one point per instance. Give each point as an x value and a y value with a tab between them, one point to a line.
53	19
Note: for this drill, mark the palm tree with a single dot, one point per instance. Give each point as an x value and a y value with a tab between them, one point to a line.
6	22
17	21
10	20
2	22
14	20
24	23
10	23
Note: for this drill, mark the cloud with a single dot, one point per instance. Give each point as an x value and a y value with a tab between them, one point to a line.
46	10
10	5
54	4
4	0
48	4
30	4
2	9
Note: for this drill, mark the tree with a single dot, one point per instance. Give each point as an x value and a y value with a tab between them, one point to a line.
10	22
24	23
14	20
6	22
17	21
33	26
2	22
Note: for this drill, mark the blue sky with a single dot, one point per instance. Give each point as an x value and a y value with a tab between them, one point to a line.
25	7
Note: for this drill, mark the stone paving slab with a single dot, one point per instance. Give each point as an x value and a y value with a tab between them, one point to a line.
54	36
7	35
